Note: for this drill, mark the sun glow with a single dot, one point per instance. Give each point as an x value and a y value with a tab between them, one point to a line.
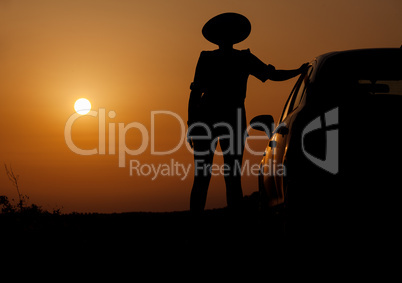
82	106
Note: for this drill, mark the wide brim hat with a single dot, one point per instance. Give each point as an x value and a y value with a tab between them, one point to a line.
227	28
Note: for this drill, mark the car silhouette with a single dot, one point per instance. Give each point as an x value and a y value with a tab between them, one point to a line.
338	143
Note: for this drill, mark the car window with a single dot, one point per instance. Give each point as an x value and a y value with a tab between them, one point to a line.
375	72
379	87
289	101
296	94
300	92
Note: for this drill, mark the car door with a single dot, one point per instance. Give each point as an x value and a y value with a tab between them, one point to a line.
270	167
280	139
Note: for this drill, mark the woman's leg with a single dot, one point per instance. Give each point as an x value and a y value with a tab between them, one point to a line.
202	173
233	159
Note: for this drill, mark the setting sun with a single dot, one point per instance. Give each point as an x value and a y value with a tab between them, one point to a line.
82	106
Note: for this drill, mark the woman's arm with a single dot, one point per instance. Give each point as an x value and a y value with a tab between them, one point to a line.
283	75
193	102
196	90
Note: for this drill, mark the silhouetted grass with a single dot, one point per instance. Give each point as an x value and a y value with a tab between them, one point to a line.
28	227
22	208
217	232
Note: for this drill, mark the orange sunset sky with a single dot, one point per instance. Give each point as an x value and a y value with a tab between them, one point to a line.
135	57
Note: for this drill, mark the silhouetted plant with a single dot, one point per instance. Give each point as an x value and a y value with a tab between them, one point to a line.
6	206
14	180
56	211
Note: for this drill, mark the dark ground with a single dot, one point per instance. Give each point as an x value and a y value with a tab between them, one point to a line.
177	238
217	233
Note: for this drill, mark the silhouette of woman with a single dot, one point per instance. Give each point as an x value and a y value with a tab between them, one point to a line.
216	105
